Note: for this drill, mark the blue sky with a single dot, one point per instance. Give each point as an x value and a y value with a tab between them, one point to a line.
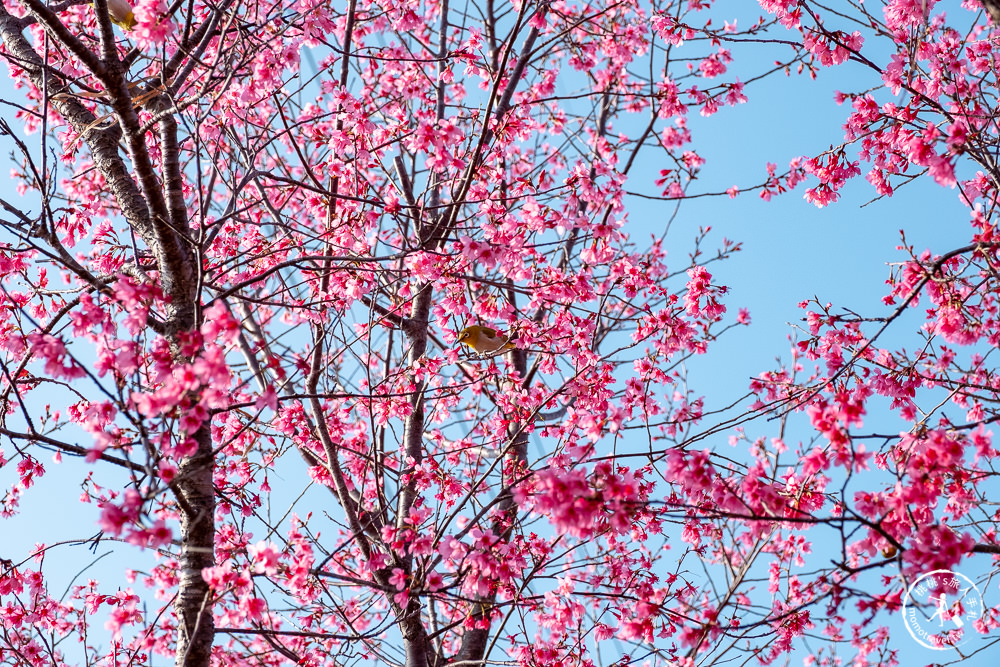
794	251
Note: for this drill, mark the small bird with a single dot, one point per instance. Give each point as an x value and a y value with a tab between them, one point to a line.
120	13
485	340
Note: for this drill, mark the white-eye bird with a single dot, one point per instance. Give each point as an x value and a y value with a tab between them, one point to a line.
485	340
120	13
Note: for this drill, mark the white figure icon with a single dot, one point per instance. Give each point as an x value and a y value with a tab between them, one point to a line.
944	613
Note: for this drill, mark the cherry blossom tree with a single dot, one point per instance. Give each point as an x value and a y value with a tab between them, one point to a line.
265	225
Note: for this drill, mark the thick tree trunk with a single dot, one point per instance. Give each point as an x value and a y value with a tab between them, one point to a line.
418	647
155	209
992	8
196	628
